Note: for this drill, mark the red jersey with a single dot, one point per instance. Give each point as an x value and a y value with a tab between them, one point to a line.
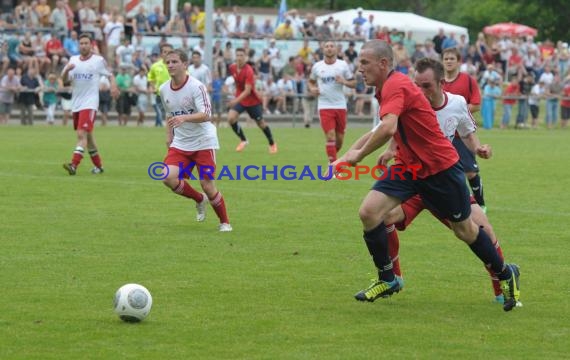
243	77
511	91
53	44
465	86
419	138
565	94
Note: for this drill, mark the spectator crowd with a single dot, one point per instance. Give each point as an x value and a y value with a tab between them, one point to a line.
527	77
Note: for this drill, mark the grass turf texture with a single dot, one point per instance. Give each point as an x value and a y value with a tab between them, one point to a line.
279	286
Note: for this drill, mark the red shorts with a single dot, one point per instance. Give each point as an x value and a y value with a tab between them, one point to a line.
187	160
414	206
333	119
84	120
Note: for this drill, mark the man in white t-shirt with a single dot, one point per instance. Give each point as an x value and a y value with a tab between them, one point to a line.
191	138
113	31
85	71
326	81
199	70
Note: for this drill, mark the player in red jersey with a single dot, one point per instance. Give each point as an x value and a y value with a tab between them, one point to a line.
84	71
408	118
462	84
453	117
246	100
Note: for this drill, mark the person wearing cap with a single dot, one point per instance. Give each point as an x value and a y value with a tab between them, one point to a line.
359	19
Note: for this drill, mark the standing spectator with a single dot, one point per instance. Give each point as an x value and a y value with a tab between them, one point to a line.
510	95
22	14
263	65
525	86
105	99
287	91
536	94
124	83
9	88
44	11
410	43
158	75
216	94
50	89
140	88
565	103
186	15
491	92
220	25
58	19
199	70
140	21
114	30
553	92
124	54
309	101
438	41
31	85
88	18
450	42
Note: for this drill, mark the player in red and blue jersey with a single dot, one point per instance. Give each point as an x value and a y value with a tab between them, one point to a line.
246	100
408	118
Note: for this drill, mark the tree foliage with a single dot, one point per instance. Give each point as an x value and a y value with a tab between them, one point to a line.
548	16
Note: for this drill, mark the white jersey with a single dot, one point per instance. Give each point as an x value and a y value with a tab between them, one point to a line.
454	115
331	92
202	73
85	78
191	98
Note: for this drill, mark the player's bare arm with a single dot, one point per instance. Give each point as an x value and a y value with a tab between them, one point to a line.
245	93
350	83
388	154
314	88
65	74
474	145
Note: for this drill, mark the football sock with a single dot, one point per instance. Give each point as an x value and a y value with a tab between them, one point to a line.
95	158
77	156
268	135
331	150
477	188
485	250
184	189
219	206
377	242
238	130
394	248
494	279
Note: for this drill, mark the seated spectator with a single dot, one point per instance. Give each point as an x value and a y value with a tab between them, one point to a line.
13	54
250	28
157	20
140	21
40	53
4	59
323	32
287	92
175	25
71	44
271	96
220	24
237	30
55	52
284	31
26	50
266	30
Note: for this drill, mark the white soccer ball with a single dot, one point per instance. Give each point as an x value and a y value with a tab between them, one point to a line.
132	302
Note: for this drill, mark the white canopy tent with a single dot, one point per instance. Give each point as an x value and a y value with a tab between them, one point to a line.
422	28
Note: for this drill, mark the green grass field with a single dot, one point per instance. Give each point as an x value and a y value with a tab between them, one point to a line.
281	285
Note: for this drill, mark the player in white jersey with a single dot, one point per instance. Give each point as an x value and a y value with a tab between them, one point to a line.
326	81
191	138
199	70
453	115
84	71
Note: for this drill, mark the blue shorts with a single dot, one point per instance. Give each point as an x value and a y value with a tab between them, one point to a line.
445	193
466	157
255	112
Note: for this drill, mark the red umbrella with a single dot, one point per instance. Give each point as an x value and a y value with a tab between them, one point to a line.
509	29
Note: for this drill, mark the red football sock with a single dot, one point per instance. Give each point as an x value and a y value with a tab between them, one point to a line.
186	190
77	156
219	206
494	280
95	158
394	248
331	150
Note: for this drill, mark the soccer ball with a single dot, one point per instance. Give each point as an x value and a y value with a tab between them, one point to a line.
132	303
